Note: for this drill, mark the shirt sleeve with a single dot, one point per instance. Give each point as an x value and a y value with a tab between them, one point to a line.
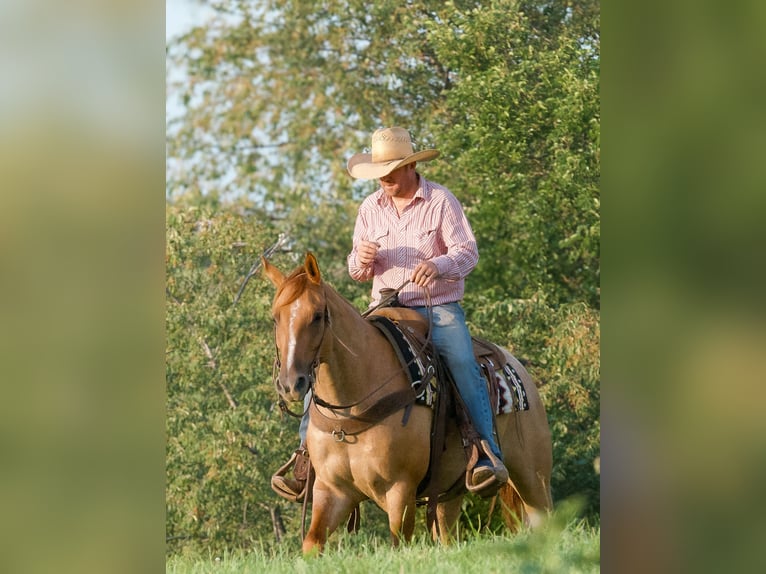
462	254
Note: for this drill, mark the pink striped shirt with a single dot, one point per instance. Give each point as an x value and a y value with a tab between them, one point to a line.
432	228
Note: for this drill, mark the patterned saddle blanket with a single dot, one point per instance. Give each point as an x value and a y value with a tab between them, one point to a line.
406	331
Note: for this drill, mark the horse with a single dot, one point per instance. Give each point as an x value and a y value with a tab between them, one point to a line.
325	344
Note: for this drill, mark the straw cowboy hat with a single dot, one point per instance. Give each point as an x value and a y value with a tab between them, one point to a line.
391	148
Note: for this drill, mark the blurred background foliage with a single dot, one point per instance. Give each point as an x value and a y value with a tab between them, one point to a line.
274	98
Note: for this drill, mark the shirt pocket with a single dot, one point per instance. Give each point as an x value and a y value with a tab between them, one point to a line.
427	242
380	236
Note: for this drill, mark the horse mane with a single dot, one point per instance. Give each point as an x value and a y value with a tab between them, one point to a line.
291	288
296	283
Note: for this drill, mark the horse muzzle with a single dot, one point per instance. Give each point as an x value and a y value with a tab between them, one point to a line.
293	387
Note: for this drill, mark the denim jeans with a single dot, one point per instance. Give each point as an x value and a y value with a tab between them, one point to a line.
303	428
453	342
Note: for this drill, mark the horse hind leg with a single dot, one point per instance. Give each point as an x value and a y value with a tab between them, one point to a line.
538	509
529	511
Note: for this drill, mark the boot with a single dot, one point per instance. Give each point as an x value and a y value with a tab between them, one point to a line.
293	489
488	475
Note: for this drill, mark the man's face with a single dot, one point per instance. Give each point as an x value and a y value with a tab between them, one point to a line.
400	181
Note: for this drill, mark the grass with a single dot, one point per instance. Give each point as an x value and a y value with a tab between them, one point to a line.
561	546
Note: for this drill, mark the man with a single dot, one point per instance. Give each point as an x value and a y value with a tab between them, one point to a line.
414	229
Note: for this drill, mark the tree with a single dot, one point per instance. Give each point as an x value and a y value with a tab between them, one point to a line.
220	401
279	94
520	138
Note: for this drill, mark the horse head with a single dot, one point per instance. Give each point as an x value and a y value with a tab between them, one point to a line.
300	319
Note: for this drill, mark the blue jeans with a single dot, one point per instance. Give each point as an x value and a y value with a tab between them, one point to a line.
453	342
304	426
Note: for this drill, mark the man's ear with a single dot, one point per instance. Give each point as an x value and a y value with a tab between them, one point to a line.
274	274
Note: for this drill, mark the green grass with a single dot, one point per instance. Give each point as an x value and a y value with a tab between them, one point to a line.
559	547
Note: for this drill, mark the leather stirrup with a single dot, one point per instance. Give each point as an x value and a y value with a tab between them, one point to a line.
489	486
293	489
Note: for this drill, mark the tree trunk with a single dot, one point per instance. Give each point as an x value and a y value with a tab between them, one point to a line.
276	521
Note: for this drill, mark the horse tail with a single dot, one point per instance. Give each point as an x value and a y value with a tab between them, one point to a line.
511	507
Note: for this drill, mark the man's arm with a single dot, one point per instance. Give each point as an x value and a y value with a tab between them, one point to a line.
462	254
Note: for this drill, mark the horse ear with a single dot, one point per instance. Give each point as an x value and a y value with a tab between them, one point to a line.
312	268
276	276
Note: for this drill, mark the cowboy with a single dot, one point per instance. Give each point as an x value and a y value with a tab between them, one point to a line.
412	228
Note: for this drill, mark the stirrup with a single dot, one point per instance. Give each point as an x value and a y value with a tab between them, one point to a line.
486	484
293	489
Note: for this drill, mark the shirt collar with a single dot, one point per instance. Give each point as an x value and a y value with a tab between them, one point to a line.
423	192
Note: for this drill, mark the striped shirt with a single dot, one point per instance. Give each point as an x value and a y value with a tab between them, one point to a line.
432	228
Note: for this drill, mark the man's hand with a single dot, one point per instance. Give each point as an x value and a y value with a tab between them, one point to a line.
425	274
366	252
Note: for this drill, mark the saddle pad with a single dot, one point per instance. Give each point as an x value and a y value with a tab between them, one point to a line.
415	356
506	389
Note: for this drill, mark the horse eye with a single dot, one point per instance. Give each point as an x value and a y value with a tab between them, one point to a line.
317	317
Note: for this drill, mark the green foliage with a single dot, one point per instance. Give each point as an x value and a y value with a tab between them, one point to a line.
571	367
560	347
223	432
519	135
276	96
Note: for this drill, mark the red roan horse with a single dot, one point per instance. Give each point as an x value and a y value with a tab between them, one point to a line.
324	342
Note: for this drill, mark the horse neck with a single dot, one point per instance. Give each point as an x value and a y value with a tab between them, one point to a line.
350	366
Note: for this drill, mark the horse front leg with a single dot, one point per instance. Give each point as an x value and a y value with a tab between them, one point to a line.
447	514
400	507
328	509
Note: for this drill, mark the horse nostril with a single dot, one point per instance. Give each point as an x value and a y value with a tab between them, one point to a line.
301	384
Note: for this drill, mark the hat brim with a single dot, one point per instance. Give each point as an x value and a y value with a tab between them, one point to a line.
361	166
